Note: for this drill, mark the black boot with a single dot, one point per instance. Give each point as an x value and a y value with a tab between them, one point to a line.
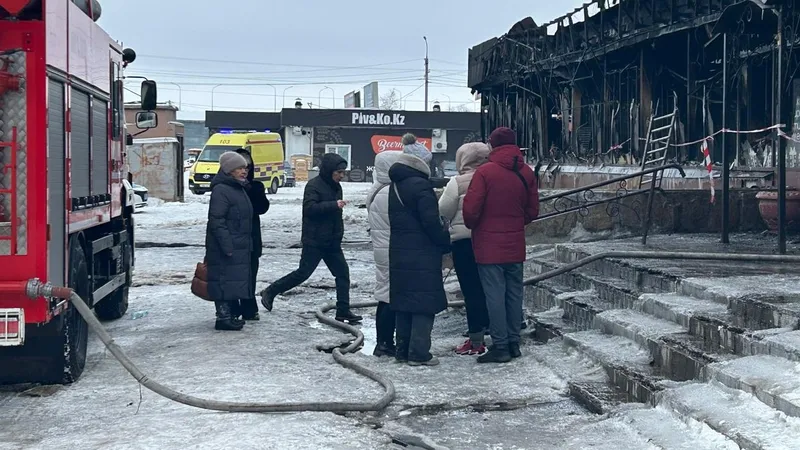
495	355
347	316
513	349
267	299
385	349
225	320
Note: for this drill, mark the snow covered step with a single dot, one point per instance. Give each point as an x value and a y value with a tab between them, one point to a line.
626	363
665	430
764	301
679	308
641	328
774	381
550	325
734	413
785	345
680	356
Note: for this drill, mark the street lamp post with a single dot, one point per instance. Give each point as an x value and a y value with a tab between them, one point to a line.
427	71
274	97
283	97
212	95
333	96
180	93
449	102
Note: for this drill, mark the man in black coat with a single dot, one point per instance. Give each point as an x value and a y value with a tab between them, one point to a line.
417	242
229	240
323	230
248	307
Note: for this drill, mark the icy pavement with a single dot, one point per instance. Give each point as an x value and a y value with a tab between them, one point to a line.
169	334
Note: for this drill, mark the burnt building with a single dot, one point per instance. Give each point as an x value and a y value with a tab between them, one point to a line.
584	87
356	134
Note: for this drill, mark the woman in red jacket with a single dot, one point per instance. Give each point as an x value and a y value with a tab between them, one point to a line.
502	199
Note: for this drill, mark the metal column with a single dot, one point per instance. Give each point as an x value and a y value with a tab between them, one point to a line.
726	166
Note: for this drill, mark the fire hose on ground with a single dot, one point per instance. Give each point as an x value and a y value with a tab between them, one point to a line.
35	289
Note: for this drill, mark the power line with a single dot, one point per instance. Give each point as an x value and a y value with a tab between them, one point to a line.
256	63
315	83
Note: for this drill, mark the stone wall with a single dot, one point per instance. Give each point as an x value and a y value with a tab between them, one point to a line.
683	211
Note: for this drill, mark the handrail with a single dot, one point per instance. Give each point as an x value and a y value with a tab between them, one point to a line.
749	257
588	201
613	181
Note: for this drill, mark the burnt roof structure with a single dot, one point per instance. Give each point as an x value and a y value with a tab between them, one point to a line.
584	86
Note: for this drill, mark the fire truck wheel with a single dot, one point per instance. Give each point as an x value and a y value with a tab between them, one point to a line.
70	355
273	187
116	305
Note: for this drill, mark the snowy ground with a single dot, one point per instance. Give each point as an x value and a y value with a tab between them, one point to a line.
169	333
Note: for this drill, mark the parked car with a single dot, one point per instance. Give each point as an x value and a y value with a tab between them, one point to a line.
288	178
140	196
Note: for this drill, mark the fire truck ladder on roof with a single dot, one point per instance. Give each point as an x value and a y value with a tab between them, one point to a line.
9	172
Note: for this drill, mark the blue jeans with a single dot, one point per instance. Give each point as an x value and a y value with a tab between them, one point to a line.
502	284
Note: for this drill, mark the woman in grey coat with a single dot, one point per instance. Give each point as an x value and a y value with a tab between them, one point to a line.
229	240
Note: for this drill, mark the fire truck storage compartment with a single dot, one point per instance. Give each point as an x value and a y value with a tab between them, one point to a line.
13	178
56	183
99	147
80	149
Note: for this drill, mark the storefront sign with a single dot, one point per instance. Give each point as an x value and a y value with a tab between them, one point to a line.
396	119
382	143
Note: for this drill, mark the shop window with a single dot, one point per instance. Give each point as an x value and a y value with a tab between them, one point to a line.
342	150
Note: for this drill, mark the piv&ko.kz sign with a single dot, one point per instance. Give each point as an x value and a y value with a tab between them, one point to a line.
395	119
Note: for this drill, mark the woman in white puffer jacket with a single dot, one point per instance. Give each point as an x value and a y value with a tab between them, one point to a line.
468	158
380	232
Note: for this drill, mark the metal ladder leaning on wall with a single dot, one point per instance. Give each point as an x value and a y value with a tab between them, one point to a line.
656	154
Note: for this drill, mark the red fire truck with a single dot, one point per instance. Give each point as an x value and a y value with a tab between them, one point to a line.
65	198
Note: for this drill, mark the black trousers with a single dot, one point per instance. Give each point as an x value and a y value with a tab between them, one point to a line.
384	324
471	287
248	307
309	260
414	336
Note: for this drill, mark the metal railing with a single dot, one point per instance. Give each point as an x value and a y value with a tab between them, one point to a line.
581	199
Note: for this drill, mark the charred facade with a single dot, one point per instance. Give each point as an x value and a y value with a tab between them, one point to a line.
584	87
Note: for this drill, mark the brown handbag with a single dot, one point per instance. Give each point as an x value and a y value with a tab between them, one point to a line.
200	281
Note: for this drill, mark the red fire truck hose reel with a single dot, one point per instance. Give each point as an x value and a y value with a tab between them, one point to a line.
35	289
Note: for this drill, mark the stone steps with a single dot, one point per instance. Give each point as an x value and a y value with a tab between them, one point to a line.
738	415
724	363
719	326
627	365
752	313
775	381
665	430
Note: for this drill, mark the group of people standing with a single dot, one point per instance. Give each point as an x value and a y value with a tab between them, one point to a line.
480	218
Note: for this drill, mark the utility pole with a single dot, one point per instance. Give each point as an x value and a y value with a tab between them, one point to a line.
427	71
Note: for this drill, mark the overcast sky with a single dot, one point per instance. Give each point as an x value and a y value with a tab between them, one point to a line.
308	45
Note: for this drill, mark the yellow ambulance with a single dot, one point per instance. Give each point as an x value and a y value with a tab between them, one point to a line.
266	149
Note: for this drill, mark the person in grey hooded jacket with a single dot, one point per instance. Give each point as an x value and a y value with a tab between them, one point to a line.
380	233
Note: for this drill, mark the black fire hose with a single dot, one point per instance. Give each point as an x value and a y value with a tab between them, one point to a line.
36	289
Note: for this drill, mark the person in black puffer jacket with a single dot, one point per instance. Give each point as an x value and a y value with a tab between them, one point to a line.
323	230
229	240
417	242
248	307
